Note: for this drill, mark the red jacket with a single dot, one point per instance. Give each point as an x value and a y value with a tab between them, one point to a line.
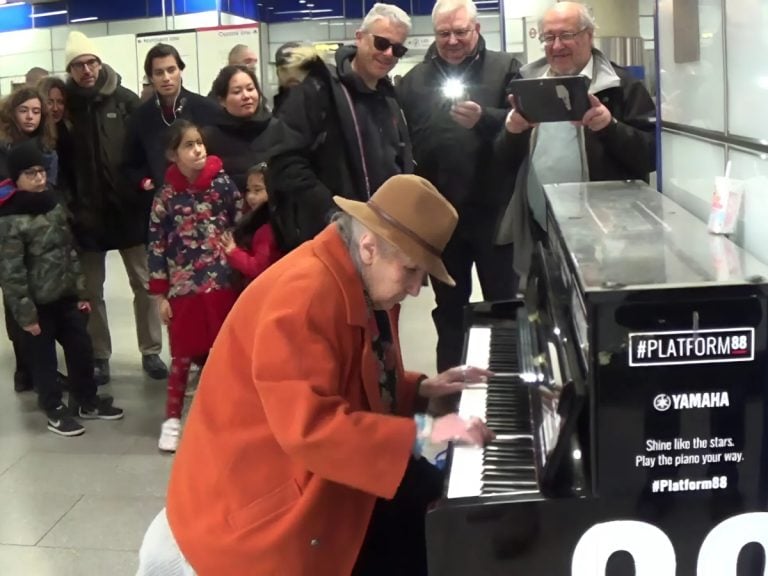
288	445
264	252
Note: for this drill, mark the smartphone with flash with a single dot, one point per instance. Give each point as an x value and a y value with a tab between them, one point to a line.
551	99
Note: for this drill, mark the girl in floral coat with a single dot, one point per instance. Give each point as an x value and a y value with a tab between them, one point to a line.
187	264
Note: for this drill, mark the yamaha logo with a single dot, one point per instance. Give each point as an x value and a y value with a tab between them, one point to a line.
691	400
662	402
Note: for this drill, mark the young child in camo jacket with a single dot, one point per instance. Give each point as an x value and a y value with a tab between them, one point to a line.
187	265
44	289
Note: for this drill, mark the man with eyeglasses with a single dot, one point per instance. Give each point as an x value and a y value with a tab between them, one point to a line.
109	213
346	133
455	105
615	140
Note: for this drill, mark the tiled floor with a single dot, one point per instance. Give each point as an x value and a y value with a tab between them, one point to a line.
79	506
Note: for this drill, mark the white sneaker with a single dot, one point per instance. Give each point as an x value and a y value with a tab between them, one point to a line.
169	435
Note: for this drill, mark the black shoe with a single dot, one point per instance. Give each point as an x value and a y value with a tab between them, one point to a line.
60	422
22	381
101	372
154	367
98	409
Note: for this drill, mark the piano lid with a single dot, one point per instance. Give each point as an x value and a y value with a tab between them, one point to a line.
626	234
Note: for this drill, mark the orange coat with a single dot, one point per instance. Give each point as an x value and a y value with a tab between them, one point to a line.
287	445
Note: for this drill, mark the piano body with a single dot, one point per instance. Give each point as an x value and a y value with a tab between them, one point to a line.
629	403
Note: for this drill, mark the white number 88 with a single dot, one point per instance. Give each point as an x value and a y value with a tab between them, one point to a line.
654	554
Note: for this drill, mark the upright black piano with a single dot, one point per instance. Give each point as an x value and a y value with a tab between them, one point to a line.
628	402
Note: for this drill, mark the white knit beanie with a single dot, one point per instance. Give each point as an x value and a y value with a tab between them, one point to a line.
78	44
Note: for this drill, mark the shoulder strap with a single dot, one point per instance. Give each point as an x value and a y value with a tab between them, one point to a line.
359	137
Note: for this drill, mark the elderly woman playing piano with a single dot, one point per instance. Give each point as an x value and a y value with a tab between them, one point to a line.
302	452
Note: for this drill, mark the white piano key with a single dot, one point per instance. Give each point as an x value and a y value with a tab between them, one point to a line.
467	463
479	347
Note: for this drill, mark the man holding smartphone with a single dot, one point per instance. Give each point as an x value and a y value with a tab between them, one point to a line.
455	105
615	140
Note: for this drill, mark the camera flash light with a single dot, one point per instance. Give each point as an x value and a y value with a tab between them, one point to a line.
453	89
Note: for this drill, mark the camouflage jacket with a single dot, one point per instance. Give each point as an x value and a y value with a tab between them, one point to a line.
38	262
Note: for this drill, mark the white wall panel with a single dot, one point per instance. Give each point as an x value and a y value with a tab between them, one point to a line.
21	41
137	26
228	19
692	93
746	25
18	64
59	33
191	21
689	167
752	232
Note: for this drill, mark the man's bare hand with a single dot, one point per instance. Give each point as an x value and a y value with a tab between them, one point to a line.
466	113
597	117
515	123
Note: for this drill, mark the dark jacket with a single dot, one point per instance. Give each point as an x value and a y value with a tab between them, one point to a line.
624	150
458	161
242	142
38	262
324	155
67	179
109	212
144	155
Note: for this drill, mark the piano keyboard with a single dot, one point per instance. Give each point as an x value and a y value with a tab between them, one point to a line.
507	465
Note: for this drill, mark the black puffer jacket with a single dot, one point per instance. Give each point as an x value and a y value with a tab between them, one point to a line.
458	161
323	155
144	155
242	142
109	213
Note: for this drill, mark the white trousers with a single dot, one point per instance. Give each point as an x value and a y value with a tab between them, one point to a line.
159	554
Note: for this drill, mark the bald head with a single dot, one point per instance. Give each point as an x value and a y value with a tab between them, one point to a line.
242	55
566	30
34	75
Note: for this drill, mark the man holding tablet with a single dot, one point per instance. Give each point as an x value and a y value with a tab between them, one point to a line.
615	139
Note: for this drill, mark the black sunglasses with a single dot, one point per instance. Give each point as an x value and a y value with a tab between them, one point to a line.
381	44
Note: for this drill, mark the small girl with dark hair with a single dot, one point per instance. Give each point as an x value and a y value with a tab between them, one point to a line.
187	265
252	248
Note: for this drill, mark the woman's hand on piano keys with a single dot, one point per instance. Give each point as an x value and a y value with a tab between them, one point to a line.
454	428
452	381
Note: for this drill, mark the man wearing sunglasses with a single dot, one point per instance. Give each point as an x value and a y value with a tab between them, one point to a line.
455	105
615	140
346	133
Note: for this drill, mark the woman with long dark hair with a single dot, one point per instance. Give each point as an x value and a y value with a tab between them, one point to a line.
24	116
54	94
245	133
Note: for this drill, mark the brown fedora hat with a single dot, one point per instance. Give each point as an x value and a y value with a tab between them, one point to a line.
411	214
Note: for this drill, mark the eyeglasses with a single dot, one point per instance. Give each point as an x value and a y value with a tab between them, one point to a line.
382	45
90	63
549	39
459	33
33	173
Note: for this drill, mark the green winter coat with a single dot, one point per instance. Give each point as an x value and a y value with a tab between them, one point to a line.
38	262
